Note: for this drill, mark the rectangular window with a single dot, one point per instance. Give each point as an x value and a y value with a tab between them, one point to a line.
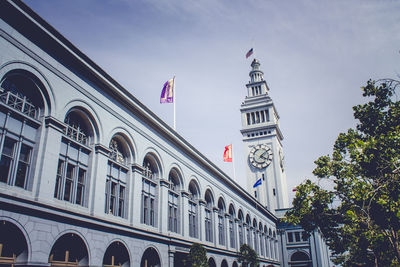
240	234
7	160
231	234
152	219
68	182
248	118
23	166
192	219
173	212
121	203
57	189
297	236
290	237
80	190
304	236
113	197
145	209
221	230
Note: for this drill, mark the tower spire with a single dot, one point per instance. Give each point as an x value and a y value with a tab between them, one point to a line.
257	85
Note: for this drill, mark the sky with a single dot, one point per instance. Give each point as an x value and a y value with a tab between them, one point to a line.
315	56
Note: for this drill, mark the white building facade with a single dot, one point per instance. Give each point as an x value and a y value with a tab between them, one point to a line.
91	177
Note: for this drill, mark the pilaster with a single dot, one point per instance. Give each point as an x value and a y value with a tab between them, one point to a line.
202	227
163	206
135	209
185	212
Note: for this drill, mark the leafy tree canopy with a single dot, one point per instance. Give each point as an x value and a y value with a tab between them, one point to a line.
247	256
360	216
197	256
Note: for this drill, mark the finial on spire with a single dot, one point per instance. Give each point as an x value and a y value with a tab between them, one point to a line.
255	64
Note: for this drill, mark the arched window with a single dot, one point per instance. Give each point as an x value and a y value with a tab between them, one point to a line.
299	256
271	244
117	173
149	190
261	239
221	221
193	199
248	225
232	226
150	258
255	239
69	250
20	108
116	255
211	262
173	201
240	225
13	246
266	239
73	164
208	216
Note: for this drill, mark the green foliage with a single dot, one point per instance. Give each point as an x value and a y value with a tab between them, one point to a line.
247	256
197	256
360	215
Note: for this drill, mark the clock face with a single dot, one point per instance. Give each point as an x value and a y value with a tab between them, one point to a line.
260	156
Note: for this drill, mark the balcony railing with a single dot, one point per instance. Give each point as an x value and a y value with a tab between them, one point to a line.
20	103
76	134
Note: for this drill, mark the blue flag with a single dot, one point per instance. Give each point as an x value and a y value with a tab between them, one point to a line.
257	183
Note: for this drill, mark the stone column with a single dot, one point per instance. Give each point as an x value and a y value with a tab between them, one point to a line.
163	206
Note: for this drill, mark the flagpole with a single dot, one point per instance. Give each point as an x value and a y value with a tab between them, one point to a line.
233	165
173	90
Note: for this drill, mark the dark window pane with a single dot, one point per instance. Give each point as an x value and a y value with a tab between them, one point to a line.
5	163
8	148
22	172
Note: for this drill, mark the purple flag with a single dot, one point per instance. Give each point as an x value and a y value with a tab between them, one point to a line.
167	94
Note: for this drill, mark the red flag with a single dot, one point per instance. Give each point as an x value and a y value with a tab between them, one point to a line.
228	153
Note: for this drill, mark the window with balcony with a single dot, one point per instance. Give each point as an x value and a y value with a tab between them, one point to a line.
20	108
116	179
193	200
208	216
149	190
73	163
173	201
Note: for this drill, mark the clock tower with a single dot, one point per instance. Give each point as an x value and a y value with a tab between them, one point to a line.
262	139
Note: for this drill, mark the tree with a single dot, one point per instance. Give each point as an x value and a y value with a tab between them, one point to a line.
247	255
197	256
360	215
